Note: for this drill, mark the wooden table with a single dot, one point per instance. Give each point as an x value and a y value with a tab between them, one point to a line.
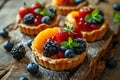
8	12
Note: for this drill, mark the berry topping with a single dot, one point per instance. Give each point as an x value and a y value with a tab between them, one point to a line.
23	10
78	1
33	68
28	19
82	46
69	53
45	19
29	42
52	9
50	48
63	48
18	52
60	55
111	63
116	6
8	45
37	20
23	78
4	33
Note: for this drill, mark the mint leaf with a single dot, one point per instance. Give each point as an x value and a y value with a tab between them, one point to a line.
116	17
116	20
75	44
88	17
70	40
37	11
95	12
64	43
98	18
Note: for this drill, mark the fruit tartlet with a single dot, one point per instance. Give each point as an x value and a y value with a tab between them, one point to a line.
58	49
31	20
90	22
66	6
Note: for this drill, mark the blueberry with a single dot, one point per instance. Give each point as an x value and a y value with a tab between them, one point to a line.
33	68
69	53
8	45
64	48
78	1
116	6
101	13
29	42
52	9
28	19
23	78
4	33
111	63
93	21
45	19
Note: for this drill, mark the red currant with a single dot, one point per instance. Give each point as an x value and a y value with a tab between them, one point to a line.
37	20
60	55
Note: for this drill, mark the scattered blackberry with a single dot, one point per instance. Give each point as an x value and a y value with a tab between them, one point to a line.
28	19
4	33
82	46
50	48
8	45
18	52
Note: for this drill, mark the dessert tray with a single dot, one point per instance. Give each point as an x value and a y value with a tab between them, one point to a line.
92	67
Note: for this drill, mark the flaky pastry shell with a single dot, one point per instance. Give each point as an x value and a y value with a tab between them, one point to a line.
32	30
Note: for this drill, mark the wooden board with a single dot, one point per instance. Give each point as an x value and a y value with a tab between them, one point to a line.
16	68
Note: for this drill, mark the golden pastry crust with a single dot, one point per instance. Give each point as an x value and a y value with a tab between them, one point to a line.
89	36
64	10
58	64
34	30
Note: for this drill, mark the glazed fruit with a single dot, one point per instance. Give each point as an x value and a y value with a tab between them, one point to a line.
8	45
45	19
116	6
28	19
23	78
111	63
18	52
82	46
69	53
4	33
32	68
50	48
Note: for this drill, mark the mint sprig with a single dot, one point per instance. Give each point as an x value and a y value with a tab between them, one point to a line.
70	43
116	17
95	15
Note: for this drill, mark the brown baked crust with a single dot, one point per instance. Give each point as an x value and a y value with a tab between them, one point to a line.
64	10
34	30
58	64
89	36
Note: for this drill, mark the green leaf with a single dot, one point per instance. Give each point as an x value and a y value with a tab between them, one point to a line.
116	17
64	43
70	40
88	17
95	12
98	18
116	20
37	11
75	44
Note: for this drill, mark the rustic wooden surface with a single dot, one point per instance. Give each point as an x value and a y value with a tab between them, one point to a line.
8	14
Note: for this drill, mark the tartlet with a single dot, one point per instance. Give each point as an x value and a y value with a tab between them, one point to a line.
32	20
96	32
57	61
64	9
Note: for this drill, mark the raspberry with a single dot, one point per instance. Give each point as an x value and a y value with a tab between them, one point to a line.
18	52
81	47
50	48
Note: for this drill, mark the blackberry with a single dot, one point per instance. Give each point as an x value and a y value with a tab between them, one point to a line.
18	52
50	48
28	19
82	46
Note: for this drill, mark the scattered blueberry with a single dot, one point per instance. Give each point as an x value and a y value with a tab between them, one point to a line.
33	68
116	6
78	1
29	42
69	53
111	63
28	19
52	9
23	78
18	52
4	33
8	45
45	19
